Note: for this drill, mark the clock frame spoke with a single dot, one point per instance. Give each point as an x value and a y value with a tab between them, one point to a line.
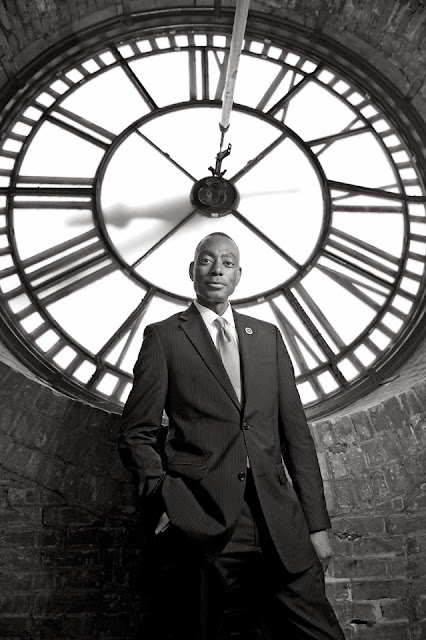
165	154
163	239
260	156
266	239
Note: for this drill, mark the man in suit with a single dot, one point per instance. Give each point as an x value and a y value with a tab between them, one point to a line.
218	491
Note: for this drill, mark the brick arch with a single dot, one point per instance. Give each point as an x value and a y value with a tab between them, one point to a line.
75	557
390	35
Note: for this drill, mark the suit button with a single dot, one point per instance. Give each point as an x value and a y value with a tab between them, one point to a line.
241	475
246	426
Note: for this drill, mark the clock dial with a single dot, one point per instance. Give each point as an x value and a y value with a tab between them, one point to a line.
282	191
99	220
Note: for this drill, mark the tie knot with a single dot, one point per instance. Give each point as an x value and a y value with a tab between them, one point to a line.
221	324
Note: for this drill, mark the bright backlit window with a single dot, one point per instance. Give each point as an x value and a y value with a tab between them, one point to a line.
98	226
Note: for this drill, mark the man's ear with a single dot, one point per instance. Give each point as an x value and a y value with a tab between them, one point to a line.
239	275
191	270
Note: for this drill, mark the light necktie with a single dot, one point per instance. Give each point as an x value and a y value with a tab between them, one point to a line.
230	354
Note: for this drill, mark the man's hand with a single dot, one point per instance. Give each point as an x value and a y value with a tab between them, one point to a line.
322	546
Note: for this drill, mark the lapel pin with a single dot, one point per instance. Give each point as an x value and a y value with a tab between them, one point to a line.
248	330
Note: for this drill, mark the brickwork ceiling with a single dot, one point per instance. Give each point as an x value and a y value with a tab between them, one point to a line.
390	34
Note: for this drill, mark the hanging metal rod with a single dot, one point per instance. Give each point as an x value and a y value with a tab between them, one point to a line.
240	21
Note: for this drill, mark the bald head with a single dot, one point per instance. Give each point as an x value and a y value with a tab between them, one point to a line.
217	234
215	270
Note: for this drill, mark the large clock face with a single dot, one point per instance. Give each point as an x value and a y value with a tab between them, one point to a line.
97	175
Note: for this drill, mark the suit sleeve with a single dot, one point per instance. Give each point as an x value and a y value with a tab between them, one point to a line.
298	448
141	420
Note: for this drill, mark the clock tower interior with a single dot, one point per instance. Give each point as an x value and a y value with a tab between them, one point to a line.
112	165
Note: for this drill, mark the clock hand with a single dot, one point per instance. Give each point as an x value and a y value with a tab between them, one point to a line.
120	215
172	209
271	192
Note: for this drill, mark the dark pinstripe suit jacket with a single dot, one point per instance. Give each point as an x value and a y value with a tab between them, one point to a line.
197	481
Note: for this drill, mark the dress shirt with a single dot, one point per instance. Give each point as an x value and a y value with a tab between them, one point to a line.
209	318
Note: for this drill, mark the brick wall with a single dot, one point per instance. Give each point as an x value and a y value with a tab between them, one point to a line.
374	467
70	545
75	560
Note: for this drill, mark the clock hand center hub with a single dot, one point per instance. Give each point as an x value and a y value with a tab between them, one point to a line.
214	196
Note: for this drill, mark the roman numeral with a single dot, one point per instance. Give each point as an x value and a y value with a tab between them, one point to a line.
6	173
81	127
279	79
65	199
216	93
347	132
198	74
72	265
295	341
316	320
55	181
317	324
363	258
295	87
367	209
383	192
130	327
144	93
38	192
356	286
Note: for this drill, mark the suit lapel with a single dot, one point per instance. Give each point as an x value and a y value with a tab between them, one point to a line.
195	329
246	343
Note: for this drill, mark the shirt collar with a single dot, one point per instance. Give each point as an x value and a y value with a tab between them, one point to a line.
210	316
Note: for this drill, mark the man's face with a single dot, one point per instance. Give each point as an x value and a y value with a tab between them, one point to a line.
216	270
